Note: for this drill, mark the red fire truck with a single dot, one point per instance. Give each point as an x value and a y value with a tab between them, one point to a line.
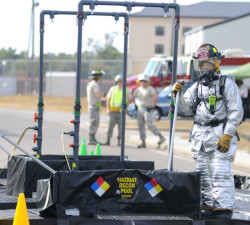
159	70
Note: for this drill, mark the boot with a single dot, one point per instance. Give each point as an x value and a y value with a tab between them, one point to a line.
95	139
221	214
107	142
206	212
142	145
118	141
162	139
92	140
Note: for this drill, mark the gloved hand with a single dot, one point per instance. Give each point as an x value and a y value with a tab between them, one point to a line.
224	143
177	88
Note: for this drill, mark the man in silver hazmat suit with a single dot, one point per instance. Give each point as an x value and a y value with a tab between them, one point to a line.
217	105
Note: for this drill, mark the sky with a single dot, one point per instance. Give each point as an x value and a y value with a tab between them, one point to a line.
61	34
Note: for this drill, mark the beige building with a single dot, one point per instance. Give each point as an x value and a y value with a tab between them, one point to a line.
150	32
230	34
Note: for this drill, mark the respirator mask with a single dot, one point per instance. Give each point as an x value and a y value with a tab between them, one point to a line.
207	70
207	77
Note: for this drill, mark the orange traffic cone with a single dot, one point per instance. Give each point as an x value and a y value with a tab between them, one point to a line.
21	215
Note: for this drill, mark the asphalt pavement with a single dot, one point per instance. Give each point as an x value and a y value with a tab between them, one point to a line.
14	121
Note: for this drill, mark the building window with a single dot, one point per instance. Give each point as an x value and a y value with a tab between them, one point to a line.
159	31
186	29
159	49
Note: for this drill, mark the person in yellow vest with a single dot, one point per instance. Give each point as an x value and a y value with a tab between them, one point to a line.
114	102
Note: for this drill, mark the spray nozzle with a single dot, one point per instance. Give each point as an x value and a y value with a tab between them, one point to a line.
166	9
70	133
129	7
92	7
52	16
116	16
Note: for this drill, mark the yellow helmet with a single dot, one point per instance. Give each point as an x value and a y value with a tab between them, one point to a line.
96	74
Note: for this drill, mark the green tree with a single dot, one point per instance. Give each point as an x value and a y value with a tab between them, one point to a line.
93	53
103	52
8	53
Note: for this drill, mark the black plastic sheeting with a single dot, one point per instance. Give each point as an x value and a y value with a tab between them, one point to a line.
88	193
3	175
43	193
23	173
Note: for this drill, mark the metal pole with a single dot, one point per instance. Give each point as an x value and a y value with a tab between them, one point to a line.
33	46
171	114
171	149
40	104
77	107
172	32
124	87
28	154
4	150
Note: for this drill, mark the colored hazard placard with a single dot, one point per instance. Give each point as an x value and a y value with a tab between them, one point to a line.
153	187
100	186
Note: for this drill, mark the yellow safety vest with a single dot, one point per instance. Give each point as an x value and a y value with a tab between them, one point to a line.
116	99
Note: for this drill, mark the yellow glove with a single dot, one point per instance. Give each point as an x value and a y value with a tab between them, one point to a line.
177	88
224	143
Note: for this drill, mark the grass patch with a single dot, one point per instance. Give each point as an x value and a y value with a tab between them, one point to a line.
57	104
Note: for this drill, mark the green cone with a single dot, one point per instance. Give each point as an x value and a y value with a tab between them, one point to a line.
98	149
83	149
91	152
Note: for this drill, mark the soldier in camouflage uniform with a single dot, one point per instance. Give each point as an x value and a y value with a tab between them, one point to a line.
147	99
94	95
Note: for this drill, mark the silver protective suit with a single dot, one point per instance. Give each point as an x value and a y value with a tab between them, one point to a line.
216	174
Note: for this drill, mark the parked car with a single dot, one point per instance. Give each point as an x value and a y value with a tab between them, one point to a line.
163	104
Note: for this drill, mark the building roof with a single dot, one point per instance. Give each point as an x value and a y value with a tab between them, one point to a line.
205	9
216	24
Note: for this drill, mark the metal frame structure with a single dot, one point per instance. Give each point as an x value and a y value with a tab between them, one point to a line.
77	107
81	15
129	6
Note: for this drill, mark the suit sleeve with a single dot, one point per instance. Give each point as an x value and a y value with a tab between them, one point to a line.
234	107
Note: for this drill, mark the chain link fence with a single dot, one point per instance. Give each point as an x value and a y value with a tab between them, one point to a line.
22	76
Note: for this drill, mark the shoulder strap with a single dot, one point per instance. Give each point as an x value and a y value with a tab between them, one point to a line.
196	90
222	84
196	98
